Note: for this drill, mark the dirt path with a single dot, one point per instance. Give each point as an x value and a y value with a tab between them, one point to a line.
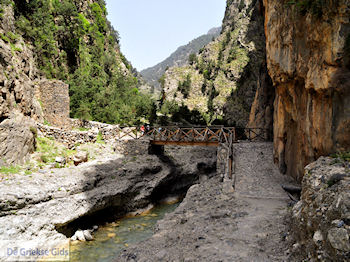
210	225
261	233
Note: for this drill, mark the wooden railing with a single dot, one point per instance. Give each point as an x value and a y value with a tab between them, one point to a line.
218	136
212	134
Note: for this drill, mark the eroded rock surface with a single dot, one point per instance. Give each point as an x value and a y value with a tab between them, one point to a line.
321	220
42	206
17	139
308	61
17	71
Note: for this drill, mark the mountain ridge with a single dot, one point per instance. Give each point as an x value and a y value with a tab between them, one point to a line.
179	57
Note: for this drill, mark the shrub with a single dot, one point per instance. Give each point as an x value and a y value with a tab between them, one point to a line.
99	138
84	22
192	59
9	170
185	86
5	38
12	36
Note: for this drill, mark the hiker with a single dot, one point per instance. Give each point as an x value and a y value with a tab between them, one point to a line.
142	129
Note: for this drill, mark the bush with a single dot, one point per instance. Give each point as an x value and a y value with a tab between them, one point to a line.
192	59
185	86
9	170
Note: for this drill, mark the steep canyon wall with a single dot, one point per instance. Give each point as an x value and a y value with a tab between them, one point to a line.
308	50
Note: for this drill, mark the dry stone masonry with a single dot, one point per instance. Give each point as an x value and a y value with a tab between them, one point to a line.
53	96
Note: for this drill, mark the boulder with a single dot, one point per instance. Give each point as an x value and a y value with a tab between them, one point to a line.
318	238
87	235
339	239
80	235
17	139
61	161
80	157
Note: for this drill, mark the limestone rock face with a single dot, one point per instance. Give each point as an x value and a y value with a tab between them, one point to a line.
17	72
226	73
17	139
321	219
54	97
261	112
308	61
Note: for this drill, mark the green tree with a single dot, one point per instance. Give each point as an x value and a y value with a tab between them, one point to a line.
185	86
192	59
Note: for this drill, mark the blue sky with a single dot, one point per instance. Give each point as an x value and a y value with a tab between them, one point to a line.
151	30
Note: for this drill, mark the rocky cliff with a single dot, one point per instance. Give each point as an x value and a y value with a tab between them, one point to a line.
222	79
17	70
308	59
60	59
18	105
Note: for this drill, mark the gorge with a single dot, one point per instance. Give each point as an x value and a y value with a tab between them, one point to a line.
279	65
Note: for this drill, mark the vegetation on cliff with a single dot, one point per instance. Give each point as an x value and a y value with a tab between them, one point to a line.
74	42
315	7
224	73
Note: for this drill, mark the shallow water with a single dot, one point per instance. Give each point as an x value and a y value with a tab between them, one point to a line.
112	238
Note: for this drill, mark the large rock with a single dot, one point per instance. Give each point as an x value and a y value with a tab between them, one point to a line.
321	218
80	157
308	60
339	239
17	139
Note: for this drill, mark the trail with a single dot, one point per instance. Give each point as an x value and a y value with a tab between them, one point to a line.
247	224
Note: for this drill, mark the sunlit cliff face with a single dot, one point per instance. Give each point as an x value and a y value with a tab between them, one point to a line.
308	63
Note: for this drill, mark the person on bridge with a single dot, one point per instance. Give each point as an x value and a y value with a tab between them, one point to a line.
142	129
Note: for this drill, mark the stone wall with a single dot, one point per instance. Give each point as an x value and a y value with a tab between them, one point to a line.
53	96
109	133
68	138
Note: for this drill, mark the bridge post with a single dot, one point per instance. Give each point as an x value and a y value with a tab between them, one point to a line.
225	166
221	159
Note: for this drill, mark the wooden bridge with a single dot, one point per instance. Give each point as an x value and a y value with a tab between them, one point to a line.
200	136
219	136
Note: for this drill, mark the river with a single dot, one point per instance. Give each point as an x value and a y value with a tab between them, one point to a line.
111	239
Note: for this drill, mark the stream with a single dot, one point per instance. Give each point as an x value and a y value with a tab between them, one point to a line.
111	239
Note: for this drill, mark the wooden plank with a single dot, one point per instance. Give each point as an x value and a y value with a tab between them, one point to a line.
184	143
